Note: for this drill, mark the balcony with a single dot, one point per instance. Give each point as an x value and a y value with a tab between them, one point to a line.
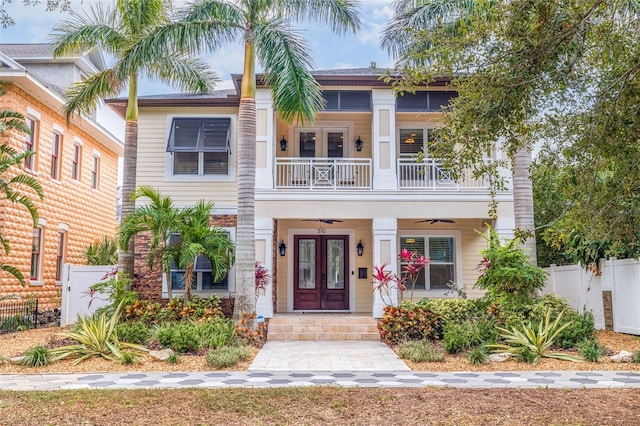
430	175
323	173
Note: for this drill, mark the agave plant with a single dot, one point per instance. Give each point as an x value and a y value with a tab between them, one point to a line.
96	337
531	344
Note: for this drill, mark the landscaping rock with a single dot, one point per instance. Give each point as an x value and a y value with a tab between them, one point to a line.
161	355
622	356
17	359
501	357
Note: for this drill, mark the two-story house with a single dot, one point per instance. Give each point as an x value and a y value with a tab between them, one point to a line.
76	164
333	198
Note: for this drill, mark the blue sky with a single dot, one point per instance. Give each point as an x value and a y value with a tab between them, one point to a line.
34	24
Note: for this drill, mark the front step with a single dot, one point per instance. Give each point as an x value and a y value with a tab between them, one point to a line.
295	327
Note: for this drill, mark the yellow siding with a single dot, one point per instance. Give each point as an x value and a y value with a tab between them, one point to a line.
153	134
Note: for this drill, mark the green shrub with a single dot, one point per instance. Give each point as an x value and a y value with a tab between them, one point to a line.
217	333
228	356
636	357
407	322
133	332
116	291
464	335
419	351
477	355
174	358
182	337
581	325
591	350
36	356
453	310
129	358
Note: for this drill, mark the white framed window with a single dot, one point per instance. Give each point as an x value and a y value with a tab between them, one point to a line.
56	151
444	251
76	161
62	244
36	254
413	139
203	277
95	171
31	142
200	147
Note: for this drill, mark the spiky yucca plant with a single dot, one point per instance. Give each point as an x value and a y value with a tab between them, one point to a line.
531	344
96	337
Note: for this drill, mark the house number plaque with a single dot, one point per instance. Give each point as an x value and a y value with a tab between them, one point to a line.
321	230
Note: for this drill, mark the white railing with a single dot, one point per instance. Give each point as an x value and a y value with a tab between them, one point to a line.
323	173
430	174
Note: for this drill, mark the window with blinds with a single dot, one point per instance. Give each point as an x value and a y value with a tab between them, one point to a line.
441	251
426	101
200	146
347	100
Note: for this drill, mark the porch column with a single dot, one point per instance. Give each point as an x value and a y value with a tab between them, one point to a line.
264	254
384	139
385	250
264	139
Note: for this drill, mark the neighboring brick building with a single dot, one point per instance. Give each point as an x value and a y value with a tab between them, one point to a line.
76	164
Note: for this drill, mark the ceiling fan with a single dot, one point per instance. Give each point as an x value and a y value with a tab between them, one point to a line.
433	221
328	221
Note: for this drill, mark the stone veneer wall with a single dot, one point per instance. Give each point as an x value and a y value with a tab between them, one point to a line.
148	282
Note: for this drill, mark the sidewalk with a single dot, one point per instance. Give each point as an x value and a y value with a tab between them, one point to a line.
255	379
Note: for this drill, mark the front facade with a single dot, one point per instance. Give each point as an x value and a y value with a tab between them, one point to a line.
333	198
75	163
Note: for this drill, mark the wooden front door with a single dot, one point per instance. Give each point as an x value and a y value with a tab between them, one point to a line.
321	279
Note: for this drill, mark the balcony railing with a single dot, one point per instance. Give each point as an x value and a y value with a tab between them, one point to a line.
323	173
430	174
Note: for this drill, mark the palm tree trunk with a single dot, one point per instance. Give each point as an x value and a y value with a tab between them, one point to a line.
245	239
167	278
523	198
126	254
188	277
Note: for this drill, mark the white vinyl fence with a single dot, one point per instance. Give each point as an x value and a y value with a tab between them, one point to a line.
584	290
76	294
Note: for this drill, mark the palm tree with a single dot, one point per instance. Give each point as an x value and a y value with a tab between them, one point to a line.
15	187
160	218
198	238
120	31
263	26
452	17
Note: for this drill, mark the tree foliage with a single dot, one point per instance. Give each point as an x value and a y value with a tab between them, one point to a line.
534	72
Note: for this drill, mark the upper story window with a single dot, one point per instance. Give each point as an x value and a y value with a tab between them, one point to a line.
413	140
347	100
95	171
56	150
200	146
30	143
430	101
36	254
76	161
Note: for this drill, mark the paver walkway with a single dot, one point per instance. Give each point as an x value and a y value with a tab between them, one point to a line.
264	379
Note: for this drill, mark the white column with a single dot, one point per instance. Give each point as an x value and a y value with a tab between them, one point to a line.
385	250
384	139
264	139
504	227
264	254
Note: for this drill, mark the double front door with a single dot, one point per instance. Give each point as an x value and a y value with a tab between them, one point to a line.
321	280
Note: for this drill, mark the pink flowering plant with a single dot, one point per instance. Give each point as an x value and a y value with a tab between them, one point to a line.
263	279
384	281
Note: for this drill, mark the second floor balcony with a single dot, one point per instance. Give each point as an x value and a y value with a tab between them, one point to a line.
331	174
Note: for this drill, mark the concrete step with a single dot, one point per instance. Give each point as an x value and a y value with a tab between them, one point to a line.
292	327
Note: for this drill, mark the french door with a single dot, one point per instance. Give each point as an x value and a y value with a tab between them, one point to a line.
321	280
326	142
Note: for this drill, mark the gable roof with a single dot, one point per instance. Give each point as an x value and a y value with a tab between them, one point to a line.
89	61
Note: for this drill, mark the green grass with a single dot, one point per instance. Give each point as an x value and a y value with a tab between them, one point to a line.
227	356
419	351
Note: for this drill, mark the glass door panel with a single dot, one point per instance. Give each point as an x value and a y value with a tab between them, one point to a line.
335	264
306	264
335	144
307	144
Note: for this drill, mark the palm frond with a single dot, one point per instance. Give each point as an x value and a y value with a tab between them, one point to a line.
12	270
140	15
286	60
84	96
189	73
12	120
341	15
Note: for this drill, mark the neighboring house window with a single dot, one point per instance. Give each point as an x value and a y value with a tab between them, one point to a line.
203	277
36	254
30	143
60	255
441	250
56	149
76	161
95	171
199	146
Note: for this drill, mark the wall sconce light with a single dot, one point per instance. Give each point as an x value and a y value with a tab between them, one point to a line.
283	144
283	248
360	248
359	144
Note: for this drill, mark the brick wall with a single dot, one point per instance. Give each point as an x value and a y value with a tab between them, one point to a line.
85	213
148	282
